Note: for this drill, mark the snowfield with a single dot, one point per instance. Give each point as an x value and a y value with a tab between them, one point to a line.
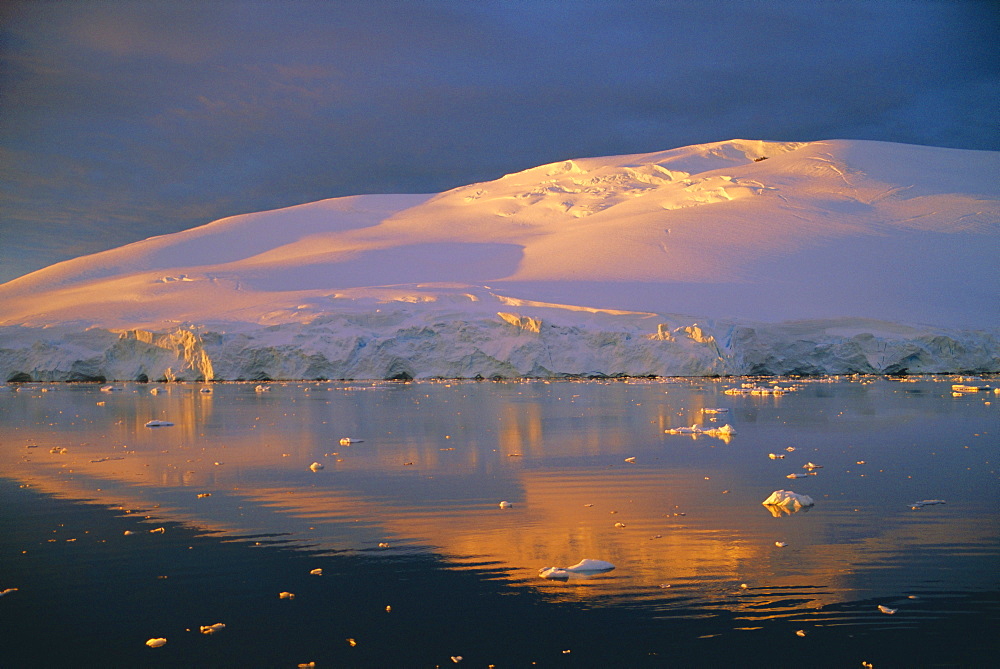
737	257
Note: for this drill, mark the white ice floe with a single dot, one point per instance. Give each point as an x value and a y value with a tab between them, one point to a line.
212	629
787	501
505	505
926	502
159	423
156	642
582	569
316	466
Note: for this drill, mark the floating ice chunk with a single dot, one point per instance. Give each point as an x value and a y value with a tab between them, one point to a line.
212	629
286	595
202	495
886	609
316	466
262	389
316	572
156	643
726	429
154	391
582	569
694	429
347	441
800	632
810	465
632	459
159	423
620	525
129	533
714	410
780	544
788	501
796	476
505	505
456	658
110	389
775	456
926	502
962	388
790	449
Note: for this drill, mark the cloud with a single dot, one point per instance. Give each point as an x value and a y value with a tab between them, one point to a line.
139	118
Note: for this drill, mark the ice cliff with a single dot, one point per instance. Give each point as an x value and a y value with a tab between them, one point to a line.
738	257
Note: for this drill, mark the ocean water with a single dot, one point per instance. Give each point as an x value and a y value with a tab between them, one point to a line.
114	533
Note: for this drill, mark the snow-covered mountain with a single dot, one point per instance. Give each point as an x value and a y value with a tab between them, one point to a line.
727	258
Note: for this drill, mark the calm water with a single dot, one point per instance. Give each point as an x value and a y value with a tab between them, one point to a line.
421	565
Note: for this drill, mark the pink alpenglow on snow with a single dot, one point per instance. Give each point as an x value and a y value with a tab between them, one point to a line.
836	256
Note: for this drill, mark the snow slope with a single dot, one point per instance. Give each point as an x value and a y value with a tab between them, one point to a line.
725	258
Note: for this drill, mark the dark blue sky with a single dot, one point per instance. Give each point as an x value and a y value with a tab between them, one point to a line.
122	120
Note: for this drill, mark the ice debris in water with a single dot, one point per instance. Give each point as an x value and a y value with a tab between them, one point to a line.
347	441
632	459
810	465
159	423
212	629
926	502
505	505
316	572
726	429
780	544
156	642
286	595
581	569
714	410
886	609
316	466
796	476
788	500
775	456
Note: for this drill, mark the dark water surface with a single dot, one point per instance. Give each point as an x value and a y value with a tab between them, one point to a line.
409	519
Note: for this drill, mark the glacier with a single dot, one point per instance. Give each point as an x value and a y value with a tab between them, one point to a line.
743	257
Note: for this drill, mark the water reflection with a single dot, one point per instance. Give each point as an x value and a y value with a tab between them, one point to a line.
587	467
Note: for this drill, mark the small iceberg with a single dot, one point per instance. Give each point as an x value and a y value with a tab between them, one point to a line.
787	501
159	423
582	569
725	430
